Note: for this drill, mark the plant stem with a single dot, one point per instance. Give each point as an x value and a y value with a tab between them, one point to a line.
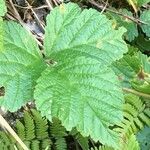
49	4
133	5
136	92
4	124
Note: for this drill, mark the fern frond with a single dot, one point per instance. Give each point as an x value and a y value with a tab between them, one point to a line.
32	129
29	126
136	115
4	138
46	144
57	130
35	145
41	125
61	144
27	143
102	148
20	129
83	141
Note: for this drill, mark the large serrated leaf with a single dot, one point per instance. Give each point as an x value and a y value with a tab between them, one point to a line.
145	16
2	8
20	65
80	89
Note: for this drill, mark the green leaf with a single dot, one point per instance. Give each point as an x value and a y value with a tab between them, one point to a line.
132	31
145	62
3	9
142	2
20	65
143	44
80	88
136	116
83	141
127	68
145	16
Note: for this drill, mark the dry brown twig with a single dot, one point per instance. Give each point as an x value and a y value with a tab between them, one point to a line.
136	93
35	15
16	12
17	16
116	12
49	4
104	7
55	2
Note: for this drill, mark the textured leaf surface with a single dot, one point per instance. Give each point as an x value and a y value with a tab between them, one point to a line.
2	8
20	66
145	16
81	90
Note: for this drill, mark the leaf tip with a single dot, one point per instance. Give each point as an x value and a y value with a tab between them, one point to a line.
62	9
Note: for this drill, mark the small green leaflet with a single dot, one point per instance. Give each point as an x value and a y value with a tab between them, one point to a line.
126	69
145	16
142	82
80	88
2	8
145	62
132	31
143	44
142	2
20	65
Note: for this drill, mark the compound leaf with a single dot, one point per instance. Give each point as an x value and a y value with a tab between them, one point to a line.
20	65
132	31
80	88
145	16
